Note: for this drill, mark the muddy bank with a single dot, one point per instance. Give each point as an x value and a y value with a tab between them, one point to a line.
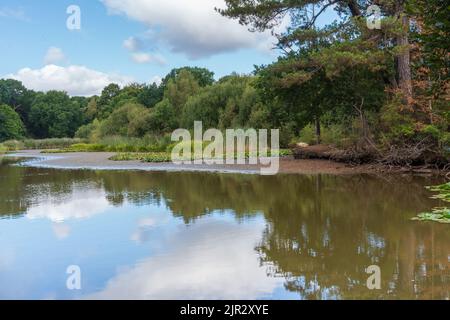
370	161
100	161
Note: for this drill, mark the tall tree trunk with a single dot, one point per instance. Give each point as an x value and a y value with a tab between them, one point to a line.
354	8
318	133
403	60
403	63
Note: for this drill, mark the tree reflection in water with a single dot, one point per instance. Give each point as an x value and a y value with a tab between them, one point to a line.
321	231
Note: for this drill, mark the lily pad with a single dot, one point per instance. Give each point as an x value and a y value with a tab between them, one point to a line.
439	214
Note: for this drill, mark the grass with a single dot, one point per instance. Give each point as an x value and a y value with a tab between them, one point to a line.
145	157
3	149
149	148
54	143
438	214
79	147
148	143
119	144
98	147
12	145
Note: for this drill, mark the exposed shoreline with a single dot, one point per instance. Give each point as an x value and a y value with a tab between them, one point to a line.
100	161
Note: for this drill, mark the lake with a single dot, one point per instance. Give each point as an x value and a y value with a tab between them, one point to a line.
188	235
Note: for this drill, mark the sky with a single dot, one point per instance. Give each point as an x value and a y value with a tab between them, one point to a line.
121	41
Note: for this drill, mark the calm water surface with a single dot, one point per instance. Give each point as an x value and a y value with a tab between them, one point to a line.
159	235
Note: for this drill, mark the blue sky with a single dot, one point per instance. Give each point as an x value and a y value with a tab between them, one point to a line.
121	41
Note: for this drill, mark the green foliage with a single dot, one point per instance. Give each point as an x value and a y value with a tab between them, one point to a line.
145	157
145	144
13	145
119	122
79	147
179	89
344	68
86	131
54	114
11	126
167	156
14	94
163	118
50	143
148	143
337	134
433	36
437	132
202	76
308	134
33	144
226	104
398	125
439	214
104	103
150	95
91	111
444	191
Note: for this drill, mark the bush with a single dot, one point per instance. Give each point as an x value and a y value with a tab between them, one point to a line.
85	132
148	143
308	134
398	126
331	134
53	143
11	126
124	121
3	149
85	147
13	145
287	134
339	135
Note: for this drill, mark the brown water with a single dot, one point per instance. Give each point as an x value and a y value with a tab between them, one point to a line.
187	235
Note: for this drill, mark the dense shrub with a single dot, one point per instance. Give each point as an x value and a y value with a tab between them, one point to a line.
11	126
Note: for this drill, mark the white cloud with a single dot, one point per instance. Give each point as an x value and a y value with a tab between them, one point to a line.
75	80
78	205
141	57
147	225
213	265
61	230
14	13
190	27
133	44
156	79
54	55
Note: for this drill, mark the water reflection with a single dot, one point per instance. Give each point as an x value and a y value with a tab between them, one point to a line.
199	235
213	259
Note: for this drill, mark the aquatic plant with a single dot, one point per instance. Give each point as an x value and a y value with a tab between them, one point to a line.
145	157
438	214
167	156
